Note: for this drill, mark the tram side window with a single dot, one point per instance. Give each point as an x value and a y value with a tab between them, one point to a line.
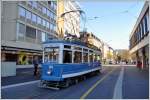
91	57
95	57
67	56
85	57
98	58
77	57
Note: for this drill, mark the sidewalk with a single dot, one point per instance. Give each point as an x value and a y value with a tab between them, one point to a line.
118	65
23	75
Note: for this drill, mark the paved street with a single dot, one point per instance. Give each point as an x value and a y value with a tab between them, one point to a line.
135	85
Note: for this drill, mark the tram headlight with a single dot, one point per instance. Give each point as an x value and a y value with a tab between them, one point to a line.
49	71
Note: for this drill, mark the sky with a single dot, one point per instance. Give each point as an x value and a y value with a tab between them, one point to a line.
115	20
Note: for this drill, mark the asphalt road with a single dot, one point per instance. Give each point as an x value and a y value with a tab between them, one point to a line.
135	84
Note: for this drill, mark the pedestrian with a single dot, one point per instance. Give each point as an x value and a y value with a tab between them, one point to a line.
35	62
139	64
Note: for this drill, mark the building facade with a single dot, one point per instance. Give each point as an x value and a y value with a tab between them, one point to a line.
108	53
69	23
25	25
139	38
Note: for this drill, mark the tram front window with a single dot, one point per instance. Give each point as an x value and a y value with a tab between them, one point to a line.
51	55
67	56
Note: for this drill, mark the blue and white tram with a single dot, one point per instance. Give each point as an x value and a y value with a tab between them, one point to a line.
65	62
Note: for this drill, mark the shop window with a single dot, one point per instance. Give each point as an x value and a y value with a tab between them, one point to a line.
11	57
67	56
30	32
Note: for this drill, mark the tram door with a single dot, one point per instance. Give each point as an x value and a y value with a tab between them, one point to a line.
51	54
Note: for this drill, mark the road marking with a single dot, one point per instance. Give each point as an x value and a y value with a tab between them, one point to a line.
118	86
20	84
94	86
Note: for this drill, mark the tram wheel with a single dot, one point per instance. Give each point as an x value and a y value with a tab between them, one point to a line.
67	82
76	81
84	77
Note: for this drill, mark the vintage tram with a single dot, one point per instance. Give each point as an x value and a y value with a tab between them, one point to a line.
65	62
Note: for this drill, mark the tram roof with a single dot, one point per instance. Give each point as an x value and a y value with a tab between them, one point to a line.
66	42
70	42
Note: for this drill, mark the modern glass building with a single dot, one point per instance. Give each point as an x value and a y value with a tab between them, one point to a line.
139	38
25	25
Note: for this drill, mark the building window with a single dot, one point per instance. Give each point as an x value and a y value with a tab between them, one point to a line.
49	3
39	20
39	7
47	24
21	31
44	10
145	21
30	3
44	22
142	25
43	37
55	5
33	17
52	15
34	4
48	13
147	16
22	12
54	27
28	14
30	32
39	34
